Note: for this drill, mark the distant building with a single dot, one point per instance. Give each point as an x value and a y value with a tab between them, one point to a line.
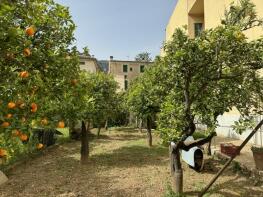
104	65
125	71
89	63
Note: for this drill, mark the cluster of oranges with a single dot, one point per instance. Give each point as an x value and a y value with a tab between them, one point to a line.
23	137
34	107
30	32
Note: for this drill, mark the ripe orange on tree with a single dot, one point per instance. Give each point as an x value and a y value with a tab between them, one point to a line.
61	124
11	105
23	137
24	74
16	133
30	31
27	52
3	153
33	107
9	116
5	124
40	146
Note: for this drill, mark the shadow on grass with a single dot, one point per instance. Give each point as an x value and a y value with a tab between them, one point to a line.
124	129
239	187
133	156
211	166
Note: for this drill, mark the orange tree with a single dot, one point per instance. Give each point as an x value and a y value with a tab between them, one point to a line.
94	101
38	70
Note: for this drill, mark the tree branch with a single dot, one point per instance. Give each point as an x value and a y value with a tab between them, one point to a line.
190	144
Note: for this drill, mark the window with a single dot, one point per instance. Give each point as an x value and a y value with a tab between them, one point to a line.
126	84
82	63
125	68
142	68
198	29
131	69
125	76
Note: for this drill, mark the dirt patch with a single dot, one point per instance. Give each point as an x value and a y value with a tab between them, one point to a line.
121	164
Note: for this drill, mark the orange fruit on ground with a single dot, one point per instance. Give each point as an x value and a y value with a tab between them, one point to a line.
30	31
23	137
74	82
33	107
40	146
11	105
9	116
44	121
5	124
61	124
3	153
24	74
27	52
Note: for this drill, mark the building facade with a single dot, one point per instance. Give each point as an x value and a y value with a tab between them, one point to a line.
197	15
125	71
205	14
89	64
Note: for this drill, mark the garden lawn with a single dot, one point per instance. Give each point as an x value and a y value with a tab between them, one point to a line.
120	164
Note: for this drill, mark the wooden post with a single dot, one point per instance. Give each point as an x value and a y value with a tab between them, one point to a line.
231	159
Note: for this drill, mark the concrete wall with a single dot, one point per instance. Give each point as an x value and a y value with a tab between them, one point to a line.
225	129
116	69
89	64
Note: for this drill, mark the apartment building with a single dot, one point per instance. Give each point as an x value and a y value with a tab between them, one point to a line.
198	15
125	71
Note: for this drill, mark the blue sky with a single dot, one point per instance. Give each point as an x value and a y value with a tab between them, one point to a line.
121	28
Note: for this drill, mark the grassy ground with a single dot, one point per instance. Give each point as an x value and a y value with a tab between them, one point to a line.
120	164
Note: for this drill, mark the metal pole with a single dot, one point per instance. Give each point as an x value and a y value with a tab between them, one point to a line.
231	159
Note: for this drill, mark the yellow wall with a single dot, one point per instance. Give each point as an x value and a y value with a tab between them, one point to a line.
116	69
213	13
179	18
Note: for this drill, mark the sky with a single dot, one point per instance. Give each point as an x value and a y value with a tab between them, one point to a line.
120	28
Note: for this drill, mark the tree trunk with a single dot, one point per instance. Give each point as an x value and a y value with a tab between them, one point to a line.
140	125
72	125
106	125
98	133
149	131
209	152
84	143
176	171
